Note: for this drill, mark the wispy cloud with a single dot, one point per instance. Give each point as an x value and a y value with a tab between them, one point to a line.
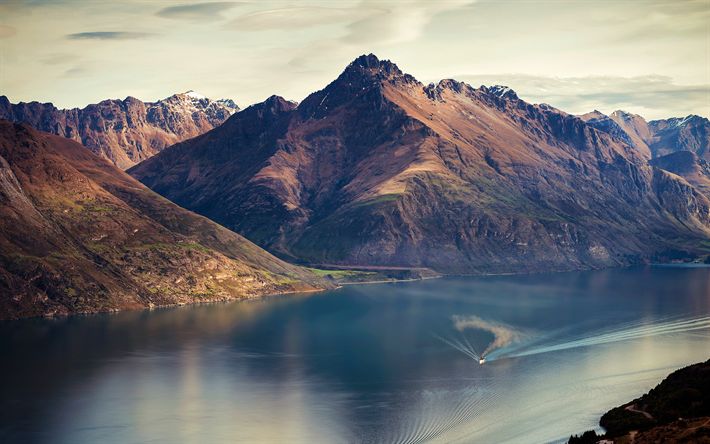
652	96
293	18
349	30
14	7
197	12
109	35
397	22
76	71
367	22
676	18
300	46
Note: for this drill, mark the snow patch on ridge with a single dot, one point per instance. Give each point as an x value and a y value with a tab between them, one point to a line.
195	95
503	92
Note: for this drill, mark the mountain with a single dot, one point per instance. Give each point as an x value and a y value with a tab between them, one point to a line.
657	137
689	166
125	131
79	235
678	145
691	133
379	169
632	129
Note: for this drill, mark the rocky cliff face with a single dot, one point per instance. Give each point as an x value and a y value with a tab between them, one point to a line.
379	169
125	131
628	128
79	235
689	166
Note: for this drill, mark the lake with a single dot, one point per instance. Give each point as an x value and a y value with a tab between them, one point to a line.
366	364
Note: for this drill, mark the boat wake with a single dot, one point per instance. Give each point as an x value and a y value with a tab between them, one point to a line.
627	333
443	412
510	342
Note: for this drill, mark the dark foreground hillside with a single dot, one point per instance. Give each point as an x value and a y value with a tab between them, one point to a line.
79	235
676	411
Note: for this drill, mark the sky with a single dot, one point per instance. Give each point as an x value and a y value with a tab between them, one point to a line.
647	57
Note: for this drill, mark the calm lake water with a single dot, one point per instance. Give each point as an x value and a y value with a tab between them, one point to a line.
369	363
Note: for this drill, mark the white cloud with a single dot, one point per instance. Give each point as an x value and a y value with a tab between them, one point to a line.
291	18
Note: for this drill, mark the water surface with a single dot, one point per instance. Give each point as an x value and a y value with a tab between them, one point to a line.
360	364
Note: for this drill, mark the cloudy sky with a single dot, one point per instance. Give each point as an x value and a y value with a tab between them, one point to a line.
647	57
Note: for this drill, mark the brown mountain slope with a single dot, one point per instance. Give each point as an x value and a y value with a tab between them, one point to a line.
379	169
636	127
79	235
125	131
628	128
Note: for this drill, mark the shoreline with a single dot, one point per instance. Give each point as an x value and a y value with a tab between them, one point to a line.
393	281
338	285
673	410
163	306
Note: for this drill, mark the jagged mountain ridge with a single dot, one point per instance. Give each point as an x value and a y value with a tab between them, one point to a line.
379	169
125	131
656	138
691	133
79	235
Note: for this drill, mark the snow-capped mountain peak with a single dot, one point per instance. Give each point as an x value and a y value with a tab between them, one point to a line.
503	92
194	95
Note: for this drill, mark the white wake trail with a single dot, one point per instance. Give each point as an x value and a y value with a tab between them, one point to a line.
630	333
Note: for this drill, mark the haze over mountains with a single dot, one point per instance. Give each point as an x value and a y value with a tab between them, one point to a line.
79	235
379	169
125	131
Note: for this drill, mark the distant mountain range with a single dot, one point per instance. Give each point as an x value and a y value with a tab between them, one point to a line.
657	137
678	145
380	169
79	235
125	131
